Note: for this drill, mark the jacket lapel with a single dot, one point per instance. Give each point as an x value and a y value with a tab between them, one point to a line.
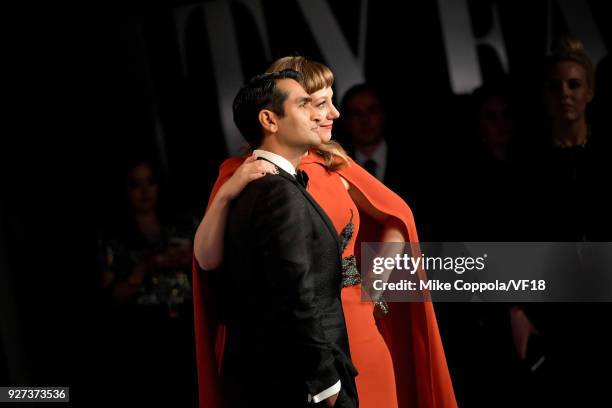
322	213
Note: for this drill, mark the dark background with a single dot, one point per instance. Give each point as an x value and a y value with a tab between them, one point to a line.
81	84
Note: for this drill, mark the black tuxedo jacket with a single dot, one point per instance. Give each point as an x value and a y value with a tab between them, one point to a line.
286	334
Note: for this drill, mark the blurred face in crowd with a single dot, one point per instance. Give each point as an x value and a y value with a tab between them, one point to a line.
322	102
364	119
495	122
142	189
567	92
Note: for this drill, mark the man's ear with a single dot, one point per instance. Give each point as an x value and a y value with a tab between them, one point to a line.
268	120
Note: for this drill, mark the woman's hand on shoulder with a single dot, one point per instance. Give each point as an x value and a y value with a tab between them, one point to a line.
251	169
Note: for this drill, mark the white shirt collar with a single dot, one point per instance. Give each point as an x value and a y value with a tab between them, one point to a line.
280	161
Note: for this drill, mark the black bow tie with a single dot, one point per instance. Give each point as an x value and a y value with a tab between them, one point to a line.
302	178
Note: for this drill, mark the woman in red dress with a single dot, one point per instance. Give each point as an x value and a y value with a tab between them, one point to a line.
399	357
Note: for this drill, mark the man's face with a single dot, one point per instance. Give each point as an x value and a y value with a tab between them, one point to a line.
299	127
567	92
495	122
364	119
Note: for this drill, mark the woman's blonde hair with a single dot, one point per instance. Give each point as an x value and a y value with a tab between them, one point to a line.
571	49
316	77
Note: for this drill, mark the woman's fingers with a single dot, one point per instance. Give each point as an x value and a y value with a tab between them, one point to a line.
269	167
252	169
263	167
256	175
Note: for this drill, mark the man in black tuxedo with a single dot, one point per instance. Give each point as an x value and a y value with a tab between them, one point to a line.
364	121
286	343
385	151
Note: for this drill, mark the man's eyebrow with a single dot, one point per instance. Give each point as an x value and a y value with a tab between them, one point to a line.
304	99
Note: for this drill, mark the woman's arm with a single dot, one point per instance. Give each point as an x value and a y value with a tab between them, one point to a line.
209	237
393	231
208	241
393	228
122	289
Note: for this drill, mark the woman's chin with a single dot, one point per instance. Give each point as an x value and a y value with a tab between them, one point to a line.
325	137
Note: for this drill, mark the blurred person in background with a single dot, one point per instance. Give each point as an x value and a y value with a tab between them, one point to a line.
145	256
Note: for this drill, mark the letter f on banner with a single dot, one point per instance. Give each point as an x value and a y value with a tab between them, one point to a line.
460	44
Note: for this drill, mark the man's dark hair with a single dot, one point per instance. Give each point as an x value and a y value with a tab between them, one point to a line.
260	93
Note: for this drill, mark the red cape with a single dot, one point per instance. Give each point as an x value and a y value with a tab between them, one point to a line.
410	329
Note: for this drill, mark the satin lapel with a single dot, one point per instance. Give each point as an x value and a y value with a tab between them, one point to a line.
324	216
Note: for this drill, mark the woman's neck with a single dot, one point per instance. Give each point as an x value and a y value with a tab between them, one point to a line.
570	134
500	153
148	223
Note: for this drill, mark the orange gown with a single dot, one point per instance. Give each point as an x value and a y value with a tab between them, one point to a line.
400	358
369	353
